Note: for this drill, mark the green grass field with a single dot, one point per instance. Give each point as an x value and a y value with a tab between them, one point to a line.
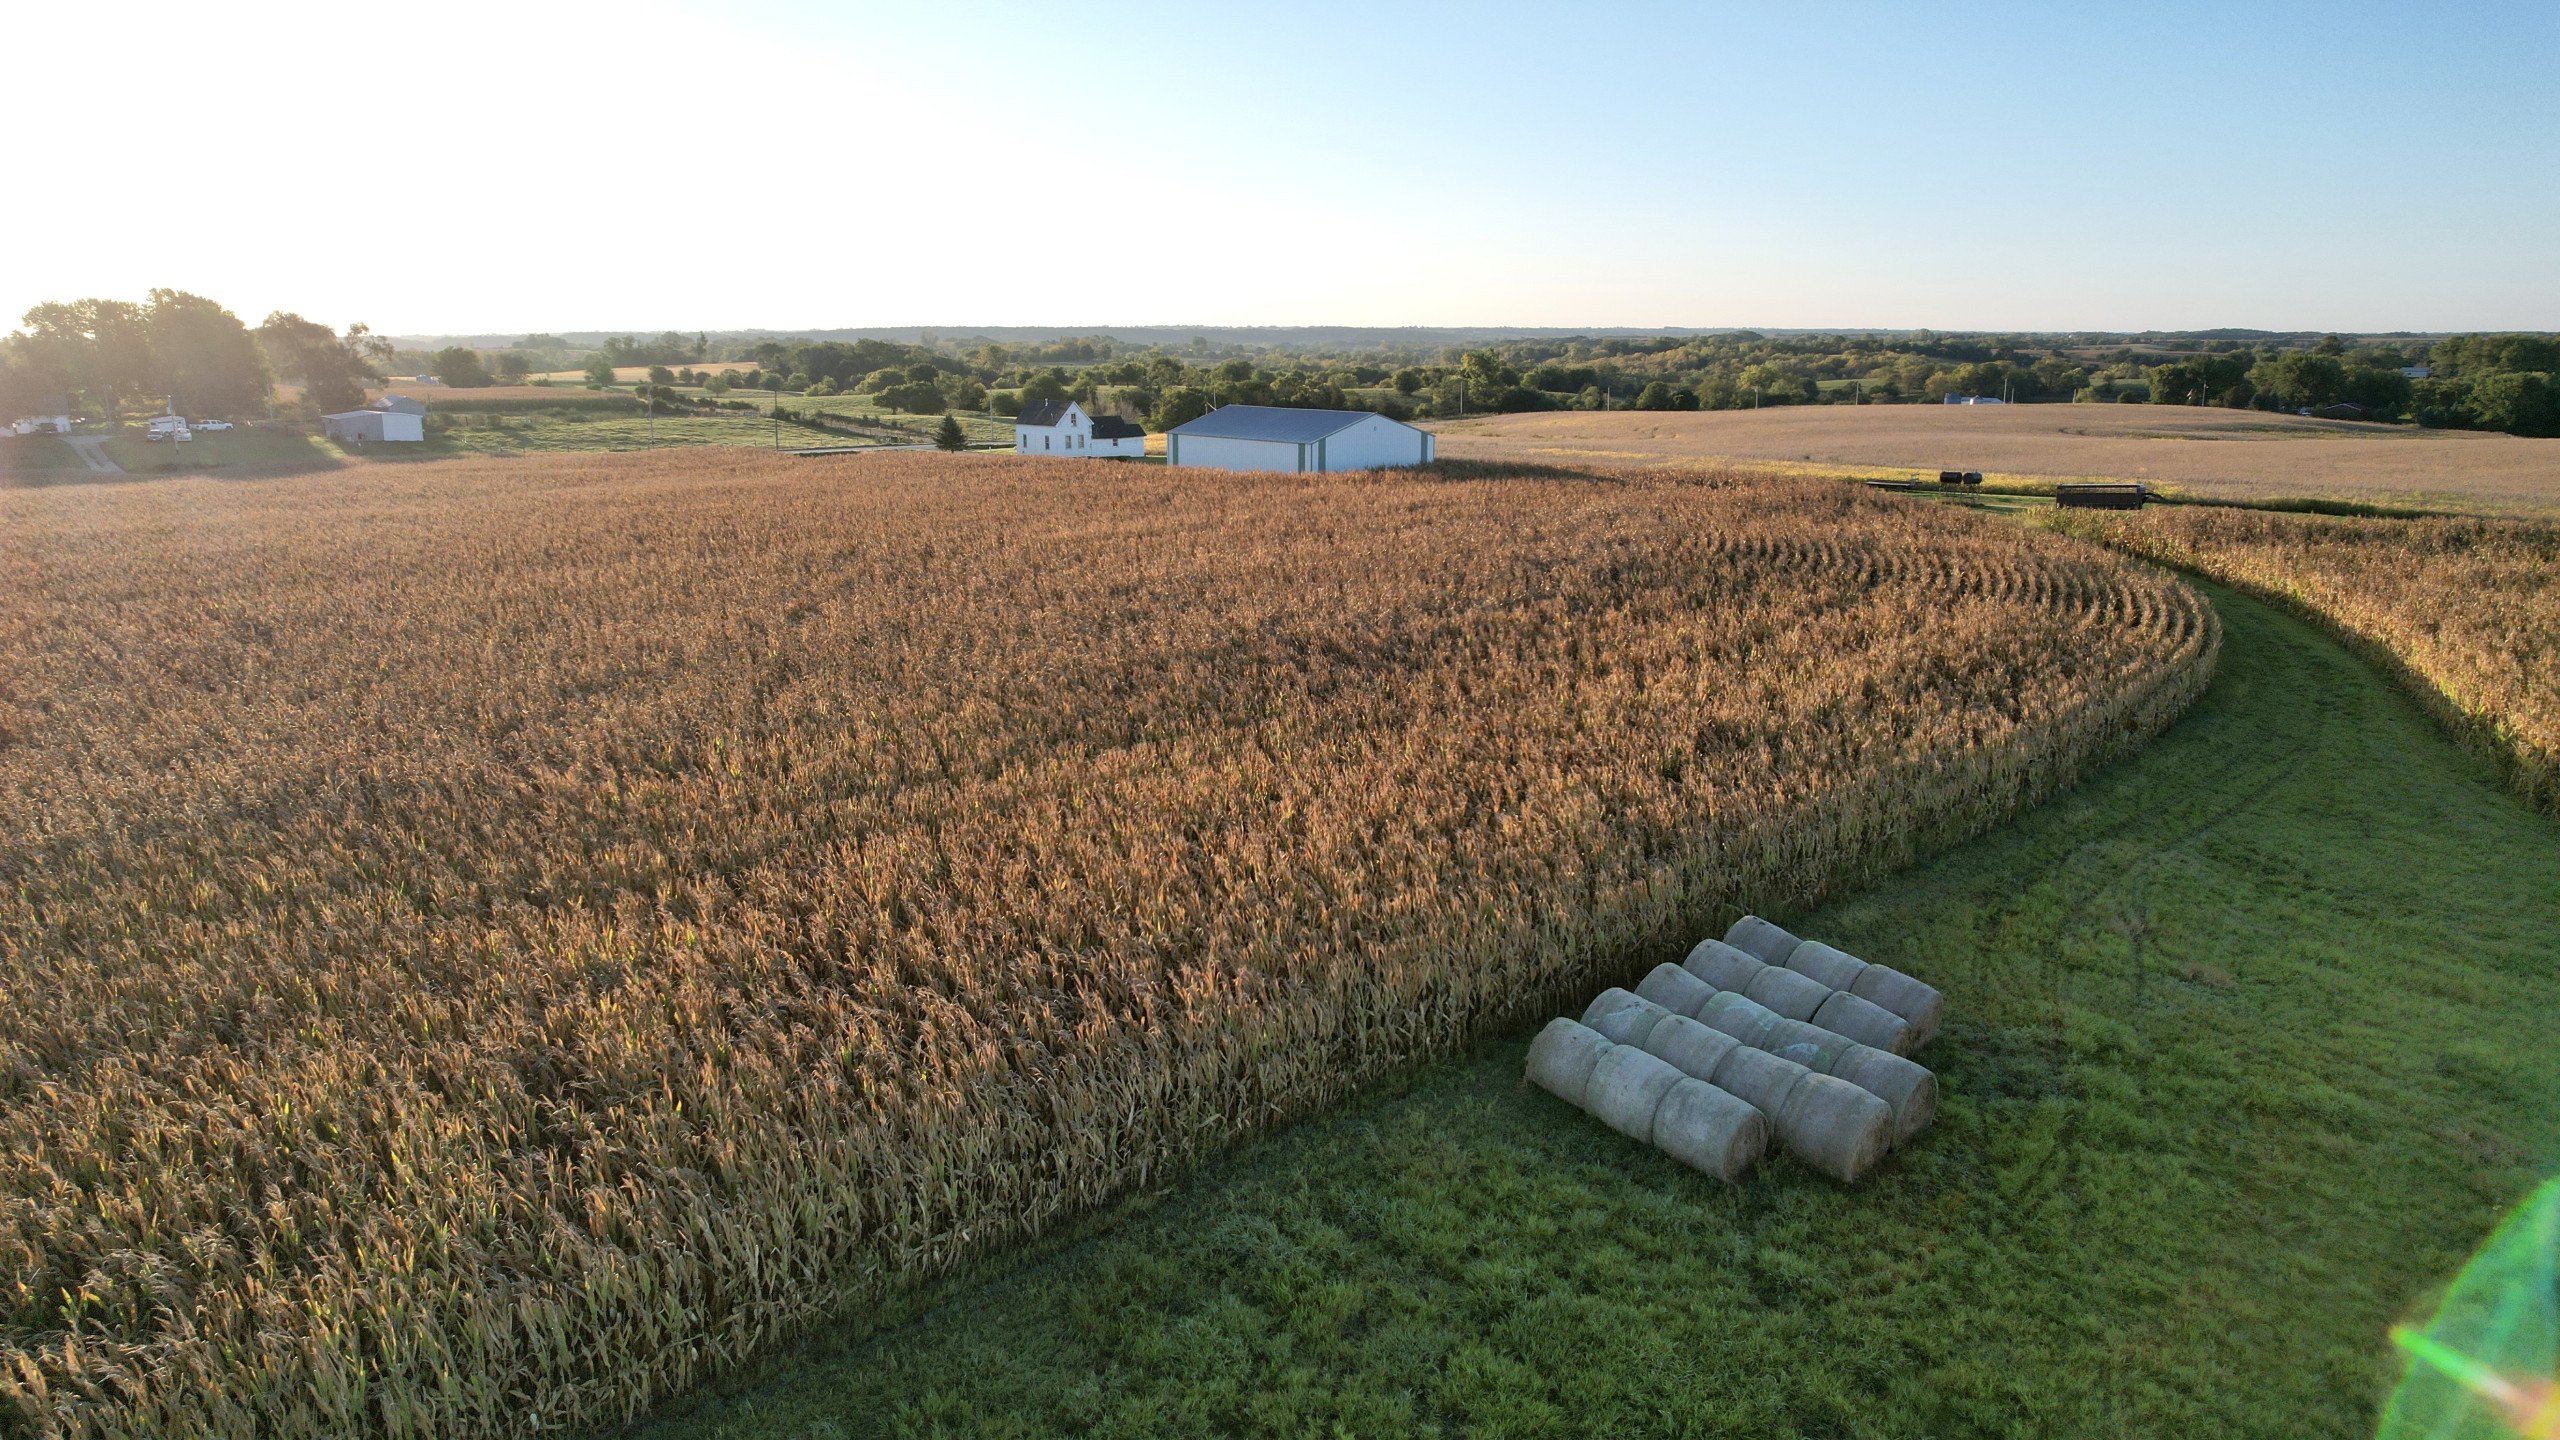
981	428
252	451
248	449
2250	1040
547	433
44	456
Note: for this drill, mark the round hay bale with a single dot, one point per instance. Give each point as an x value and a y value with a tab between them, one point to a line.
1722	966
1709	1129
1834	1127
1692	1048
1761	1078
1865	1022
1675	990
1790	994
1810	1046
1562	1057
1623	1017
1739	1016
1627	1086
1755	936
1920	1004
1835	968
1906	1088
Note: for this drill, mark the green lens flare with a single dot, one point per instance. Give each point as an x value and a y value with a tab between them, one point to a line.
2482	1366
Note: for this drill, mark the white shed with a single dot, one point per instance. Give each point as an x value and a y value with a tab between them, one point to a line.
1273	437
368	427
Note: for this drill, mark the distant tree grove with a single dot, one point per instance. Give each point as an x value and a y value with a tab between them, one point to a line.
190	353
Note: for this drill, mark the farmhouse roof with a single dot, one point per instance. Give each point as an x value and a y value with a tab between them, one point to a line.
1112	427
401	403
1043	412
1270	422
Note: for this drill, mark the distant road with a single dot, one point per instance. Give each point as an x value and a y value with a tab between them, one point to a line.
93	453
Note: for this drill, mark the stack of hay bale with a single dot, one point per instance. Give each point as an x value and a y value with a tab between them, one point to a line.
1754	1035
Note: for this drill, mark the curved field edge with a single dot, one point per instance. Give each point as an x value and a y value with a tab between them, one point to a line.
606	1321
2244	1055
2533	770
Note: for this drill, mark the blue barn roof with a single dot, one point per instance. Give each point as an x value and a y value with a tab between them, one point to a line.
1270	422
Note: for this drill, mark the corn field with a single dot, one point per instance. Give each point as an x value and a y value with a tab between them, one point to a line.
2468	611
490	944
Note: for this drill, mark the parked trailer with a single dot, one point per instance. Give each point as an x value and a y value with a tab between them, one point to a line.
2101	496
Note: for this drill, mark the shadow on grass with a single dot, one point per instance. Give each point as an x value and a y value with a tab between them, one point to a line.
246	455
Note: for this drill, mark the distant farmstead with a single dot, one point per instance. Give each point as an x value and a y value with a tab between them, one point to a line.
1060	427
1272	437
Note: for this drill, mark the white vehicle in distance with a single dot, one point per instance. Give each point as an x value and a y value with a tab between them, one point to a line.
216	425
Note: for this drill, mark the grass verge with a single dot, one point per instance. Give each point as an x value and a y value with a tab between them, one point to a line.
2250	1040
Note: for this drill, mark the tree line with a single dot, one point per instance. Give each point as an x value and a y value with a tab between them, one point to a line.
193	355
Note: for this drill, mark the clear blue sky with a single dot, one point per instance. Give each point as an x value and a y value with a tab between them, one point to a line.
2359	166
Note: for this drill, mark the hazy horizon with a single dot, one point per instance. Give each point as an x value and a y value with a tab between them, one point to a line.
2295	167
1158	334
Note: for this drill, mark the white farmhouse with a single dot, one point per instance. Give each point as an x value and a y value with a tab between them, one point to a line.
1273	437
1060	427
42	425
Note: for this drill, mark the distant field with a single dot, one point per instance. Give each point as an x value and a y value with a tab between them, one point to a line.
442	395
633	374
2236	454
539	434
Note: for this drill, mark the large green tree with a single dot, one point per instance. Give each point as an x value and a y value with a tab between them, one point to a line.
461	367
24	389
333	369
97	348
2301	379
204	360
1180	405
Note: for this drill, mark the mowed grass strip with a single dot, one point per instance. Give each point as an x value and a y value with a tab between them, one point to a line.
2250	1040
2467	610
